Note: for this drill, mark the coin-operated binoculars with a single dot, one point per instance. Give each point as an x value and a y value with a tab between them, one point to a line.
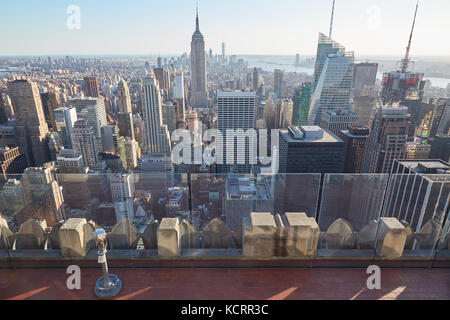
109	284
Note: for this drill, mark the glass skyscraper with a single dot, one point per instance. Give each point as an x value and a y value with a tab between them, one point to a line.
333	79
301	100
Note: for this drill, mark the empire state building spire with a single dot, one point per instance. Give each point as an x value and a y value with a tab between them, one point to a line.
199	94
197	24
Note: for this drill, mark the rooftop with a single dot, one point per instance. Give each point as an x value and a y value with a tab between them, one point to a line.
231	284
310	134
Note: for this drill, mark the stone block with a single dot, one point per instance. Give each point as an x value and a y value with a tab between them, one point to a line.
391	238
217	235
76	238
31	235
168	235
123	236
366	237
428	235
187	235
260	235
339	235
302	234
149	236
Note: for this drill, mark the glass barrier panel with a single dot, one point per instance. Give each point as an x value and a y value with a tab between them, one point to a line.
419	202
350	208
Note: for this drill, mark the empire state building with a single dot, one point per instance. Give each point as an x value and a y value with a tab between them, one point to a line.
199	95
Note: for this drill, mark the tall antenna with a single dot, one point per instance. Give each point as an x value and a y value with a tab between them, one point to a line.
197	27
331	22
406	60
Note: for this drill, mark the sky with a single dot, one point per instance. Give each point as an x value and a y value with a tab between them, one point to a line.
165	27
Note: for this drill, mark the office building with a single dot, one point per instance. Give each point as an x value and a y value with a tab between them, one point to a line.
440	147
156	134
162	76
243	195
364	106
93	110
301	103
364	76
255	80
419	149
405	87
178	86
286	113
387	140
169	114
83	140
8	135
65	118
31	127
418	193
11	162
125	115
236	111
132	153
69	161
91	88
335	121
278	83
310	149
42	194
50	102
122	186
333	79
355	139
3	114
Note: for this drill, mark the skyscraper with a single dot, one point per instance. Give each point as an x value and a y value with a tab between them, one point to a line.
11	162
93	110
169	113
223	52
297	60
255	80
123	97
364	91
236	110
278	83
387	140
310	149
355	139
199	94
125	115
405	87
131	153
333	79
65	118
178	88
50	102
335	121
365	75
301	103
91	88
31	127
41	190
163	77
286	113
156	135
84	142
3	114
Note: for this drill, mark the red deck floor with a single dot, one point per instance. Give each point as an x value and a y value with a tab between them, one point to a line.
232	284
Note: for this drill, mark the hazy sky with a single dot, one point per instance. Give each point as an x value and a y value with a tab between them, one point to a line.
368	27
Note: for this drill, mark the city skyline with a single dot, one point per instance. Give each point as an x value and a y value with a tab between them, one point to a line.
377	28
